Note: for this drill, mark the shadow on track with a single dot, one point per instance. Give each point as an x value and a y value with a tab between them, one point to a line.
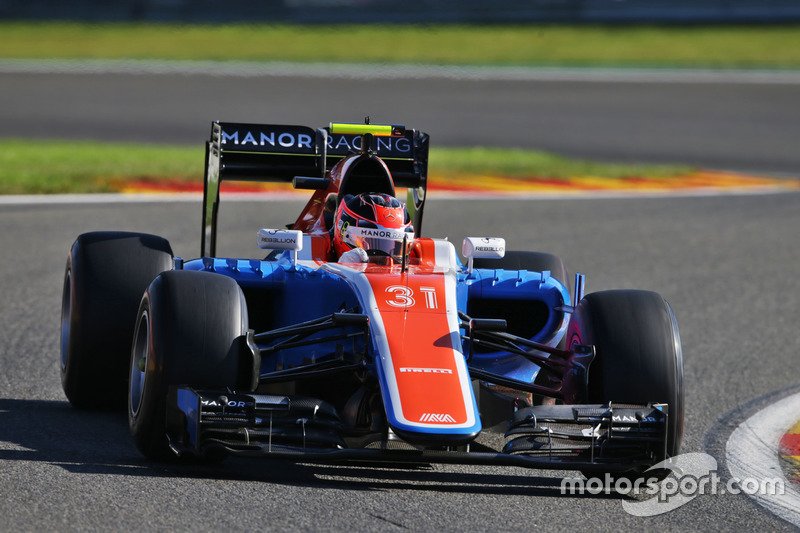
99	443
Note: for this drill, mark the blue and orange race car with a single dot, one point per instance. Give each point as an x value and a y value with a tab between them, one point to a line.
356	338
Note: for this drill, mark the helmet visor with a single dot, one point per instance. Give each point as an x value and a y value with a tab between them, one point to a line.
388	241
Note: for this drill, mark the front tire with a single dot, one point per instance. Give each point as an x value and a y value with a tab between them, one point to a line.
190	331
105	277
639	358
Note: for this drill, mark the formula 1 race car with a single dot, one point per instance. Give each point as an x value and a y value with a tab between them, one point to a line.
355	338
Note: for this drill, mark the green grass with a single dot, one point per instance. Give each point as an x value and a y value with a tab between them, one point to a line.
32	167
528	45
515	163
49	167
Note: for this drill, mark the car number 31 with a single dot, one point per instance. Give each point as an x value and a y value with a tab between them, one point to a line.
403	296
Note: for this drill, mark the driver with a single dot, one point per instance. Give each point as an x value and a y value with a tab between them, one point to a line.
370	225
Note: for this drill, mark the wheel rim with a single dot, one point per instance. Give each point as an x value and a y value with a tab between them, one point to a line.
66	317
140	358
679	397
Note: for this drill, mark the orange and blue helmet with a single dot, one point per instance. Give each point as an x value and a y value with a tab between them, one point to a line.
376	222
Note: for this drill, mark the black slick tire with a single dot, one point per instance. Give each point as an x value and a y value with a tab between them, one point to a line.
105	277
639	358
190	330
523	321
524	260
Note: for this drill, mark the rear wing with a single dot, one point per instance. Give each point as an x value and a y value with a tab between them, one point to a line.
302	156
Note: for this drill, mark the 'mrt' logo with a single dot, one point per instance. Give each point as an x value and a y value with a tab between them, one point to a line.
433	417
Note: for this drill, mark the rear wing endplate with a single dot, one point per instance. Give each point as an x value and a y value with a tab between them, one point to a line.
281	153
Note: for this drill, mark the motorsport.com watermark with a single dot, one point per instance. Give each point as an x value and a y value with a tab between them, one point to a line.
690	475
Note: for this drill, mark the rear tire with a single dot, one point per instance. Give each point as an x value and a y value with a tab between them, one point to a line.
105	276
523	319
189	331
524	260
639	358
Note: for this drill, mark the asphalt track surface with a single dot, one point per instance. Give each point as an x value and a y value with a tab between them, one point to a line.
727	265
744	122
724	264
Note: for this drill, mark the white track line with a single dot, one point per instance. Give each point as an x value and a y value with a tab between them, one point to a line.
752	453
124	198
399	71
80	199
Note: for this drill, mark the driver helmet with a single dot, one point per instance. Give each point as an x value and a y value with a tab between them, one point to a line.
375	222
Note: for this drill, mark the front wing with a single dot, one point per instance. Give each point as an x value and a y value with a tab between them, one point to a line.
605	438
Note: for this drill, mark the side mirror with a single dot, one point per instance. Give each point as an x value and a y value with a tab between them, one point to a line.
281	239
483	247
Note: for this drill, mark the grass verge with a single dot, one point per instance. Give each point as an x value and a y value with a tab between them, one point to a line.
768	46
52	167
